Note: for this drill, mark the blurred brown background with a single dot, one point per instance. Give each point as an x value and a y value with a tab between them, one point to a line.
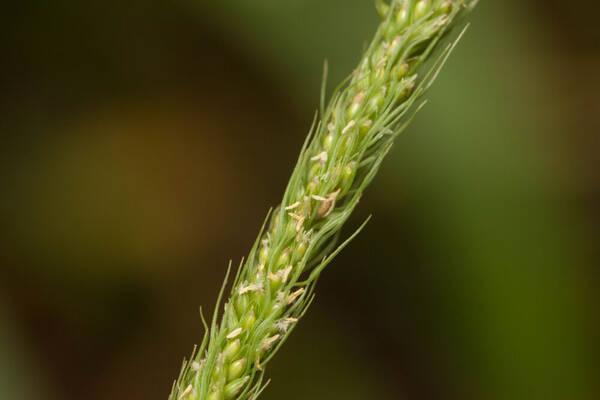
143	142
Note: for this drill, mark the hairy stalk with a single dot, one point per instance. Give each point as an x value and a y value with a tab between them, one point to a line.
341	155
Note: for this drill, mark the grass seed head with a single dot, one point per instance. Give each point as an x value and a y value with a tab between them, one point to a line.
353	134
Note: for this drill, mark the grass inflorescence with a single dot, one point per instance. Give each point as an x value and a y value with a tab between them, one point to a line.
343	151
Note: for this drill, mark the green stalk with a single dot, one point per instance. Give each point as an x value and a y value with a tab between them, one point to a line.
340	157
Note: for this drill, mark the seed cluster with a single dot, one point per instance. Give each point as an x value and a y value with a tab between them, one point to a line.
336	163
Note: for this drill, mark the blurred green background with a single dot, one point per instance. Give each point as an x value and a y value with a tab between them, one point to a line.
143	142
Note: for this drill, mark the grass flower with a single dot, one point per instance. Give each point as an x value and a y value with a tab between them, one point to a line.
342	153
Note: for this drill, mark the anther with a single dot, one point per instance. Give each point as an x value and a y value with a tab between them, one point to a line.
269	341
291	207
187	391
294	295
196	366
295	216
284	324
234	333
328	205
348	127
322	156
253	287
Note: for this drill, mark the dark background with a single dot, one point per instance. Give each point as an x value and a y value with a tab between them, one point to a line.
143	142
